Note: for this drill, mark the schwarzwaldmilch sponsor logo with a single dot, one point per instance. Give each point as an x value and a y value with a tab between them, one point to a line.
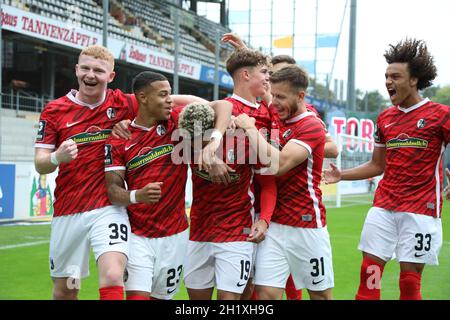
146	155
92	134
205	176
405	141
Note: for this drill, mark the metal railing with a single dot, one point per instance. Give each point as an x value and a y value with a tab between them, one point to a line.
20	100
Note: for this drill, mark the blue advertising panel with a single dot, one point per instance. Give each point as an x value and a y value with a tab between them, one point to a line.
7	181
207	75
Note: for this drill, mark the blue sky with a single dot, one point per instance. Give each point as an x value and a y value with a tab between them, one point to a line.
379	23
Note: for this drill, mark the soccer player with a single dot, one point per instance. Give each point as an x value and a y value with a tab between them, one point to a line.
410	140
223	226
331	151
297	241
71	136
156	188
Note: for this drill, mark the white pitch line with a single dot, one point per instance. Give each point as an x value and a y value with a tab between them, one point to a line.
27	244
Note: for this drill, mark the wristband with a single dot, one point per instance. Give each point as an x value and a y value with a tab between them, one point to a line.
53	158
133	196
216	134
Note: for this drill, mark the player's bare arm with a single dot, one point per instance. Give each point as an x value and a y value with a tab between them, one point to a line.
234	40
372	168
330	149
47	160
280	162
118	195
217	170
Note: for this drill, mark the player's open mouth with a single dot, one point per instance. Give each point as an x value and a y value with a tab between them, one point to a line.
392	93
90	84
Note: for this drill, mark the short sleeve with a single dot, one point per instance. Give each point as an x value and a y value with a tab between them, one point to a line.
310	134
47	135
115	154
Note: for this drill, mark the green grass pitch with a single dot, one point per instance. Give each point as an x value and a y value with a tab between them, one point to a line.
25	275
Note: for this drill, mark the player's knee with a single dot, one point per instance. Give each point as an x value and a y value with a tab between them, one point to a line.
60	293
320	295
112	277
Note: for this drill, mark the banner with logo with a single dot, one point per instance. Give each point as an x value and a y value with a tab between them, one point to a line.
24	193
70	34
153	59
207	75
37	26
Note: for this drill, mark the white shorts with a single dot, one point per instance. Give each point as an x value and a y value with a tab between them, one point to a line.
104	229
303	252
224	265
155	264
415	238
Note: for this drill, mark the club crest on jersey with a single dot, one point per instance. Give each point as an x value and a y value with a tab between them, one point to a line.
421	123
92	134
161	130
287	133
111	113
147	155
405	141
230	155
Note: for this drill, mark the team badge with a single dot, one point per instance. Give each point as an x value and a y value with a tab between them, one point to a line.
287	133
111	113
230	155
108	154
41	130
160	130
421	123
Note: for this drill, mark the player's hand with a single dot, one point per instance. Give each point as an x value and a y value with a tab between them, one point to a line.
331	175
207	157
232	125
447	188
149	194
234	40
67	151
258	231
220	172
120	130
245	122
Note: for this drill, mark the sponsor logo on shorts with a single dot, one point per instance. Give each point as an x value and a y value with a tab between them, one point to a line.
240	284
314	282
52	264
113	243
169	291
418	255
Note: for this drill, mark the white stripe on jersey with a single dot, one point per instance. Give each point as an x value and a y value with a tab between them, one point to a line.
438	181
44	146
115	169
252	196
312	191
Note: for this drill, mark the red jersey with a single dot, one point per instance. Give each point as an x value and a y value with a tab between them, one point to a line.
299	202
415	140
80	185
147	157
222	213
